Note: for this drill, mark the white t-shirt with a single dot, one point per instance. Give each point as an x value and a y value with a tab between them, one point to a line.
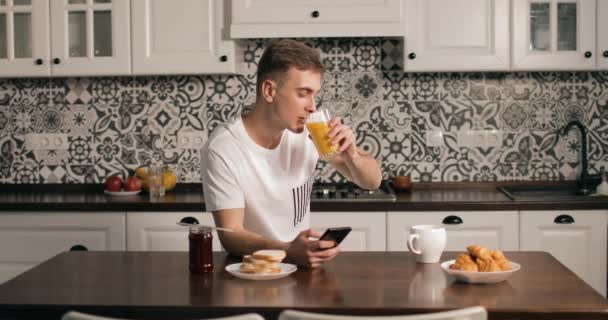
273	186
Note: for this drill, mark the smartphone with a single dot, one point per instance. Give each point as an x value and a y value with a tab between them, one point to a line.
335	234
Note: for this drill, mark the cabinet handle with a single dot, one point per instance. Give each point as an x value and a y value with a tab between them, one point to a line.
564	219
588	54
315	14
189	220
606	54
452	220
56	61
412	56
39	61
78	247
224	58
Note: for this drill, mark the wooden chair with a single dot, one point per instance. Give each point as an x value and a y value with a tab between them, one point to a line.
472	313
75	315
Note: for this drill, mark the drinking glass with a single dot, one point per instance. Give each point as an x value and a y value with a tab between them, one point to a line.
318	128
156	180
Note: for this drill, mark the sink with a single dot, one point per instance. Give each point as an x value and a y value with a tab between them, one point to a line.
543	193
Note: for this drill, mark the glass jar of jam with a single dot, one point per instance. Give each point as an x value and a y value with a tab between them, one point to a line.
201	255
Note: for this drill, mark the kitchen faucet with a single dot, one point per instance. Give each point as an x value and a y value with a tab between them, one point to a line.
584	174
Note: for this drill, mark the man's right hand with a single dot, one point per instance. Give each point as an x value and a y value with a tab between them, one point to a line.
311	253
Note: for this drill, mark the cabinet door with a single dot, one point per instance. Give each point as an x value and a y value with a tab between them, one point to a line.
457	35
90	37
316	18
24	38
553	35
576	238
183	37
368	232
602	36
26	239
493	229
158	231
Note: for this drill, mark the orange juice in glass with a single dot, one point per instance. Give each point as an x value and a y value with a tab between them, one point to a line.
317	125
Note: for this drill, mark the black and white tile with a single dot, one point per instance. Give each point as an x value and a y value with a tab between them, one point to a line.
118	123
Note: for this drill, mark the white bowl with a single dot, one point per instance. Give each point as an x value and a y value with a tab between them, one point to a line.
479	277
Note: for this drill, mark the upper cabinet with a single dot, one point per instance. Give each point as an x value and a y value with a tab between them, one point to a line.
64	37
456	35
554	35
181	37
602	35
316	18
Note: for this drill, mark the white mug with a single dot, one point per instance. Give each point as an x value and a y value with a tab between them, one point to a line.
427	242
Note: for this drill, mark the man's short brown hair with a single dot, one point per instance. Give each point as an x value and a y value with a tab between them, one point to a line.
280	55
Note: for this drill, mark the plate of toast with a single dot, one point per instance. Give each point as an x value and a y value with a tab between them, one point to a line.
262	265
480	265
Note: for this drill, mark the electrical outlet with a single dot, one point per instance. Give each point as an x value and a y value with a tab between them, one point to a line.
493	138
46	141
434	138
190	140
466	138
58	141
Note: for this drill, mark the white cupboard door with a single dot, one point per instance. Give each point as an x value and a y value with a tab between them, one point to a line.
24	38
158	231
493	229
576	238
181	37
368	228
457	35
27	239
316	18
602	35
90	37
553	35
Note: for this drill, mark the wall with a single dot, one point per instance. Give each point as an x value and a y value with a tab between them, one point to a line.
115	124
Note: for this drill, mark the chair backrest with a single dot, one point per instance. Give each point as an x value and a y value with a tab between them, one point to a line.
472	313
75	315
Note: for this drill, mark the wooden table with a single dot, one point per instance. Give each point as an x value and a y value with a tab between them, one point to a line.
158	285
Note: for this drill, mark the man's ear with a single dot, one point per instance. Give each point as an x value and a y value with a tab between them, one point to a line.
269	90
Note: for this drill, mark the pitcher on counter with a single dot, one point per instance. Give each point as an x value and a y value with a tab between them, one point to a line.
257	171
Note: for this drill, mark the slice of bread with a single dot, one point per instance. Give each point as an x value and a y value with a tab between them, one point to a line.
270	255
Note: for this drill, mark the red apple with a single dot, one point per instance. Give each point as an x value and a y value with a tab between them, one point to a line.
114	183
132	184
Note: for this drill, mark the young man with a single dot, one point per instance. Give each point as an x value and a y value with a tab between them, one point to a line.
257	171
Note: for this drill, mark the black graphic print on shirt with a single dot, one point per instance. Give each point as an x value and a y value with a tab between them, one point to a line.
301	201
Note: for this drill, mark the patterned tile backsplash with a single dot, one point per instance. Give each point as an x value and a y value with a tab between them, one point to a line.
432	126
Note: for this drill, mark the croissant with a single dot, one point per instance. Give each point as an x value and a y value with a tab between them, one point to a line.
479	252
488	265
481	259
501	260
464	262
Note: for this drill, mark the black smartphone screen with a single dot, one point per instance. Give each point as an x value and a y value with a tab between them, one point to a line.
335	234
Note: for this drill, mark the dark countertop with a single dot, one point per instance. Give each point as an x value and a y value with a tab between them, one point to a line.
157	285
188	197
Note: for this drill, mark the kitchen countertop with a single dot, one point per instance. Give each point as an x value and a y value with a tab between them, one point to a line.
158	285
188	197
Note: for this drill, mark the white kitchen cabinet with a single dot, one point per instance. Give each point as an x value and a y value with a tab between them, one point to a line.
602	35
64	38
493	229
316	18
456	35
368	228
554	35
158	231
576	238
183	37
29	238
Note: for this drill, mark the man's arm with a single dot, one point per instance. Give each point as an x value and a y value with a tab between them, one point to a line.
302	250
355	164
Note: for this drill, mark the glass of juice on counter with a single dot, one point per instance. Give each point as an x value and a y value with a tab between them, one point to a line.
317	125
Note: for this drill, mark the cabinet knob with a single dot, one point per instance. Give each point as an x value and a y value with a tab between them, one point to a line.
224	58
605	54
78	247
315	14
564	219
588	54
56	61
39	61
452	220
189	220
412	56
